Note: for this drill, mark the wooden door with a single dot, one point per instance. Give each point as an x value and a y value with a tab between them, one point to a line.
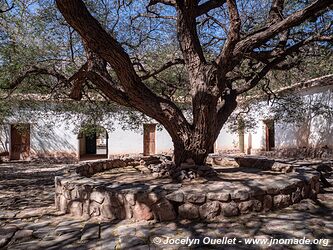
149	134
20	141
270	135
212	149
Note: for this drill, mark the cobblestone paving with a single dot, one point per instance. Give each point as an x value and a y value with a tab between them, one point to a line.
28	220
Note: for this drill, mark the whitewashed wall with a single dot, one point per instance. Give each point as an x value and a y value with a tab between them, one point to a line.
128	141
315	131
61	137
48	135
4	138
56	138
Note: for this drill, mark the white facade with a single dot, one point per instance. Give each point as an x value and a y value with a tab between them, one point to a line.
50	136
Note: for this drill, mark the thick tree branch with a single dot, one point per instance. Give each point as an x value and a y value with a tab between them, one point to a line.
265	56
276	15
233	36
103	83
257	39
6	10
96	38
78	79
109	49
156	16
166	2
208	6
188	36
229	105
34	70
162	68
258	76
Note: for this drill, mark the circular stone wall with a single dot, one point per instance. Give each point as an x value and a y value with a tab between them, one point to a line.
79	195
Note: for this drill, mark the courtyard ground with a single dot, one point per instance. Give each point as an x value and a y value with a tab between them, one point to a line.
28	220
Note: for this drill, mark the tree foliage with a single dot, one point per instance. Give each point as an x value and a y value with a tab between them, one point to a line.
157	56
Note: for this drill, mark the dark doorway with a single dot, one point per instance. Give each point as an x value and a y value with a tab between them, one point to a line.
212	149
19	141
270	135
91	144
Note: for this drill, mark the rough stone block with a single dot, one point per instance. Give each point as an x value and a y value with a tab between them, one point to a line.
143	197
254	162
108	212
195	196
68	194
267	203
177	196
142	212
164	210
153	197
296	196
63	203
245	207
80	192
229	209
218	196
23	235
57	200
58	187
210	210
188	211
97	196
241	195
305	191
128	211
76	208
172	187
256	192
316	188
112	199
257	205
121	199
281	200
90	232
86	207
282	167
94	209
272	189
130	198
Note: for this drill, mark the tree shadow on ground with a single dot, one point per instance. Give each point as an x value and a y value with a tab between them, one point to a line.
307	221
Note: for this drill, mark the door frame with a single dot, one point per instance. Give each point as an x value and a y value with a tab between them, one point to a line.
10	126
269	134
147	128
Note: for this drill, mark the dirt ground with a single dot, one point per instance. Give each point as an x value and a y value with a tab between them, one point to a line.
28	220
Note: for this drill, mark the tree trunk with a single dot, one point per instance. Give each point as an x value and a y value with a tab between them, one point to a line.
196	144
194	147
196	153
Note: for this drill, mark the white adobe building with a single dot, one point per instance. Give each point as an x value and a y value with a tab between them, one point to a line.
25	138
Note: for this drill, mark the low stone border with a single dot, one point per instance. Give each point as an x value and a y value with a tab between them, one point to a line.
79	195
306	152
264	163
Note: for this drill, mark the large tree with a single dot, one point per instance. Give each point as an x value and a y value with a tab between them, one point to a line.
227	48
